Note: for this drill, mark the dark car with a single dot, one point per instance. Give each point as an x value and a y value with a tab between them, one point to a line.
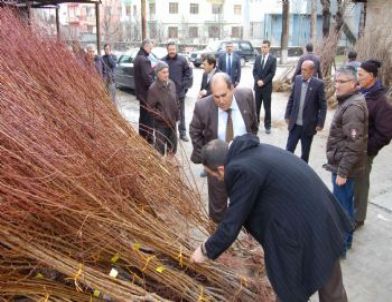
123	73
242	47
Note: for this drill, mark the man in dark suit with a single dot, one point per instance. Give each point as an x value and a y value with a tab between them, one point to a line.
224	114
288	209
209	66
144	76
230	63
306	110
263	72
309	56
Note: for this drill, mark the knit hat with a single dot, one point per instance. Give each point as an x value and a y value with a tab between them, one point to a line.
371	66
160	65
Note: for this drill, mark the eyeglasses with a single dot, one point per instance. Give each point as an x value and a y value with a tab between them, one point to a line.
342	82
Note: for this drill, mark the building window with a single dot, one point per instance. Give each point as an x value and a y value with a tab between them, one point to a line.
237	9
128	10
173	8
153	31
213	31
134	11
194	9
152	8
236	32
173	32
216	9
193	32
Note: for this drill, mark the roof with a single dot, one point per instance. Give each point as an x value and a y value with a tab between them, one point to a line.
43	3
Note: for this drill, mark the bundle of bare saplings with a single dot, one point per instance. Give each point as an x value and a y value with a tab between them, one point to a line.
88	210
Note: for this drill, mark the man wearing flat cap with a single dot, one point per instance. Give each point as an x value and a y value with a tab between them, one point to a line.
162	102
380	129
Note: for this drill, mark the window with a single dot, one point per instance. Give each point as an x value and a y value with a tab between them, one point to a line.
246	46
134	11
237	9
152	8
216	9
173	8
193	32
173	32
213	31
194	8
128	10
236	32
125	59
153	31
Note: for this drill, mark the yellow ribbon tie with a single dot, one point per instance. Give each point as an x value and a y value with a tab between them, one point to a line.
147	262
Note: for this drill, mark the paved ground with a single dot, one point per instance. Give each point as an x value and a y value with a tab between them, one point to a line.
368	268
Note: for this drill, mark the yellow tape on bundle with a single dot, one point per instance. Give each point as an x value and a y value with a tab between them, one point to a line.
136	246
96	293
201	296
115	258
160	269
76	277
39	276
180	258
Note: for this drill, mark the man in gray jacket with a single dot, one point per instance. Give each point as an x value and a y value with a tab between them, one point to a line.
347	141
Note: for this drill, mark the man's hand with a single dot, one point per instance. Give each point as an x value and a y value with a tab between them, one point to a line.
318	128
202	93
341	181
197	256
260	83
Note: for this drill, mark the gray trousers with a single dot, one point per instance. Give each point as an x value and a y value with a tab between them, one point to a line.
333	290
111	88
361	191
182	124
217	198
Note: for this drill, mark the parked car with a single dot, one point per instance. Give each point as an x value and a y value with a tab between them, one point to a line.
123	73
242	47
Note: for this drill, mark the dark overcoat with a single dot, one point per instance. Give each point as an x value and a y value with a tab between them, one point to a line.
315	107
283	203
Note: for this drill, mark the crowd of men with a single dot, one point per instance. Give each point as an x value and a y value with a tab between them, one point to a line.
275	195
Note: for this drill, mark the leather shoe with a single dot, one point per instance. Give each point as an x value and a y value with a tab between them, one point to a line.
268	131
184	138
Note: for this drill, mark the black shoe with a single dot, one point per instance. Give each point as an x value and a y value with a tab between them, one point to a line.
184	138
358	224
268	131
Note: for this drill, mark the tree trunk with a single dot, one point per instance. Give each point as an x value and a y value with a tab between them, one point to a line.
326	16
339	18
362	21
144	20
313	22
284	42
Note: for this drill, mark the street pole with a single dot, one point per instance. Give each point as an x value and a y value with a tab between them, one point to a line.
97	18
144	20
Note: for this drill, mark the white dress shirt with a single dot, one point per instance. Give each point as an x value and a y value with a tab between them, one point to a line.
238	121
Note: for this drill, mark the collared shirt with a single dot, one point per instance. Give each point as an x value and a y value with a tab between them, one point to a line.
210	74
238	121
228	66
304	90
265	57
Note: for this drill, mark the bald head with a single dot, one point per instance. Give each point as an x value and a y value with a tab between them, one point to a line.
307	69
222	90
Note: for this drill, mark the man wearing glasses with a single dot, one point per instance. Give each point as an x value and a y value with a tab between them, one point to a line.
347	141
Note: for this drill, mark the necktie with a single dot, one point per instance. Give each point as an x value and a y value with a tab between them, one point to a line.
229	65
229	127
262	62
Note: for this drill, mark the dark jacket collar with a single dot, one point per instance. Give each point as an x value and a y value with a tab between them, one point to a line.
143	52
241	144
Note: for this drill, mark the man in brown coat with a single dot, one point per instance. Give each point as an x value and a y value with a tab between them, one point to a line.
227	113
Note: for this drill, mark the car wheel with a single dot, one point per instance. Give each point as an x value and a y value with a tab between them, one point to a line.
242	60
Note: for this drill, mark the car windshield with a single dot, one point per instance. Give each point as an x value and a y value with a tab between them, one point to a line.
213	46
